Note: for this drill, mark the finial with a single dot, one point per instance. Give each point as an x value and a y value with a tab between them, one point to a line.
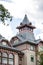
39	37
25	15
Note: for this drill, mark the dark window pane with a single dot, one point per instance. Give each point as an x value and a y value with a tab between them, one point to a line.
32	59
32	47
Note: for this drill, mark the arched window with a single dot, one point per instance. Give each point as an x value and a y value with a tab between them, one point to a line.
4	58
10	55
4	54
11	59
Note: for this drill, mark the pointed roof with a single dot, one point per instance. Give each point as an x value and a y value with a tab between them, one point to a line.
25	22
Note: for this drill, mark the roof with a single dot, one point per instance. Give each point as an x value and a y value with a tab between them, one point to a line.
5	40
30	26
25	22
8	47
24	42
25	37
27	41
11	49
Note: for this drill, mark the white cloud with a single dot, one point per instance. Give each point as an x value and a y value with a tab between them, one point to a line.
6	31
18	8
9	1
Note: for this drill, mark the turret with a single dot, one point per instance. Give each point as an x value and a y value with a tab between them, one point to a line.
25	25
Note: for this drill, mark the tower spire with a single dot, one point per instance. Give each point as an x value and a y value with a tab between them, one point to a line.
25	20
25	25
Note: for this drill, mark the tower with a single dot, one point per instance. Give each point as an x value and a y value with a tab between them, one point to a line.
25	42
25	25
26	30
27	38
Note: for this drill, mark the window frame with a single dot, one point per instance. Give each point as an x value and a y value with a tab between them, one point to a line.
11	59
32	58
32	47
4	43
7	57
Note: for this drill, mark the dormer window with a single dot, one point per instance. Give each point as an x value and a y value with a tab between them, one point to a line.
16	41
4	43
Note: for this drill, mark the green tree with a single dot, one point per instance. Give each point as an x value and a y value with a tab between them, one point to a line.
40	61
4	14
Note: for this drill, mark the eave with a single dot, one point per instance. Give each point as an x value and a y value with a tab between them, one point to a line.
25	42
11	49
21	26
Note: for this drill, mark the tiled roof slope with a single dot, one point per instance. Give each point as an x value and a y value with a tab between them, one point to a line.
26	37
8	47
25	20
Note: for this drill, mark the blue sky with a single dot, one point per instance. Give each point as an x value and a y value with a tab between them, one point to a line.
18	8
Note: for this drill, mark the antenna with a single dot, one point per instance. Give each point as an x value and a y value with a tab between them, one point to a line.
39	37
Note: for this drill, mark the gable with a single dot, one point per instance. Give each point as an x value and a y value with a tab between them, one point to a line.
5	43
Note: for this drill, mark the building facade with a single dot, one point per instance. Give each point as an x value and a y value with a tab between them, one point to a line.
22	48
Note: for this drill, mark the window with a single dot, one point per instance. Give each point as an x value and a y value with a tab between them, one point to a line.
4	55
16	41
4	43
32	58
11	56
11	59
4	58
32	47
